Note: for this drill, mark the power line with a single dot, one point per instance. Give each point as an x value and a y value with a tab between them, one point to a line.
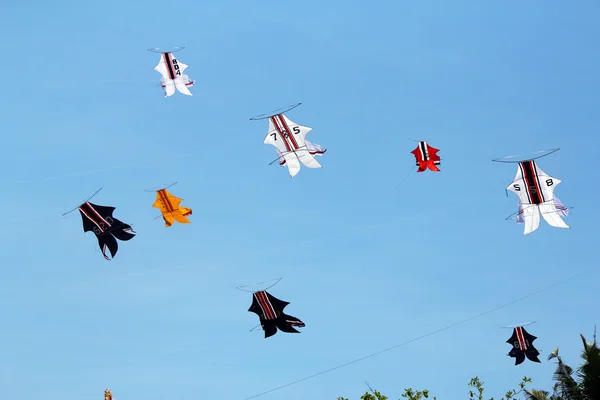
420	337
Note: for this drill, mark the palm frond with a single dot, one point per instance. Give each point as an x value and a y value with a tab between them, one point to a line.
535	394
589	372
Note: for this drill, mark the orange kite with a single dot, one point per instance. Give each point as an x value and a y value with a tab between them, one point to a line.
169	206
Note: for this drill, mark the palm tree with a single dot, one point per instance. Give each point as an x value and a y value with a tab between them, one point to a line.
585	385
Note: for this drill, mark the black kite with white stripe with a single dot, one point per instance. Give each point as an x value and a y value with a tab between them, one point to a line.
270	312
99	219
522	343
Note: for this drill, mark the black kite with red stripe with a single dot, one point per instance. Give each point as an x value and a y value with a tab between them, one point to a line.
270	312
426	157
522	343
99	219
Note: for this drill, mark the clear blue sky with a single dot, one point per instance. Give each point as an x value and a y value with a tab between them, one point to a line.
366	264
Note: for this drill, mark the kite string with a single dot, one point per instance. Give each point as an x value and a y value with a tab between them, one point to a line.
425	140
85	201
54	177
550	151
260	283
421	337
406	177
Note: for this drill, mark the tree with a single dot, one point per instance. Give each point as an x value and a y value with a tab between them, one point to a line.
586	383
411	394
478	384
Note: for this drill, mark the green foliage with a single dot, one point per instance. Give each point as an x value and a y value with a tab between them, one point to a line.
570	384
375	395
477	384
418	395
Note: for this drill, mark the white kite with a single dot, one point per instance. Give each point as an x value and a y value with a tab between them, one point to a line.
535	189
173	77
289	138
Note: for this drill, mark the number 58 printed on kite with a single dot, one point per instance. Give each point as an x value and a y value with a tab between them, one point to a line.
535	189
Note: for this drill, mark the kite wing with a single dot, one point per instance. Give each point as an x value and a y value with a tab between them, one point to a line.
278	305
172	72
170	208
289	138
426	157
531	352
99	219
535	190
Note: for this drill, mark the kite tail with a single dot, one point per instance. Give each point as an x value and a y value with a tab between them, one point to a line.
169	89
431	165
120	230
108	242
168	218
552	215
308	160
533	355
531	215
519	358
180	216
292	163
269	330
180	85
286	323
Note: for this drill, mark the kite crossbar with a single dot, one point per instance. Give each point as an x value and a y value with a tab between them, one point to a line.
516	325
547	153
425	140
159	51
86	200
303	148
275	112
513	215
259	283
157	188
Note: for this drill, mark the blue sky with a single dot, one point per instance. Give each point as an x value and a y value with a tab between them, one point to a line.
366	264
